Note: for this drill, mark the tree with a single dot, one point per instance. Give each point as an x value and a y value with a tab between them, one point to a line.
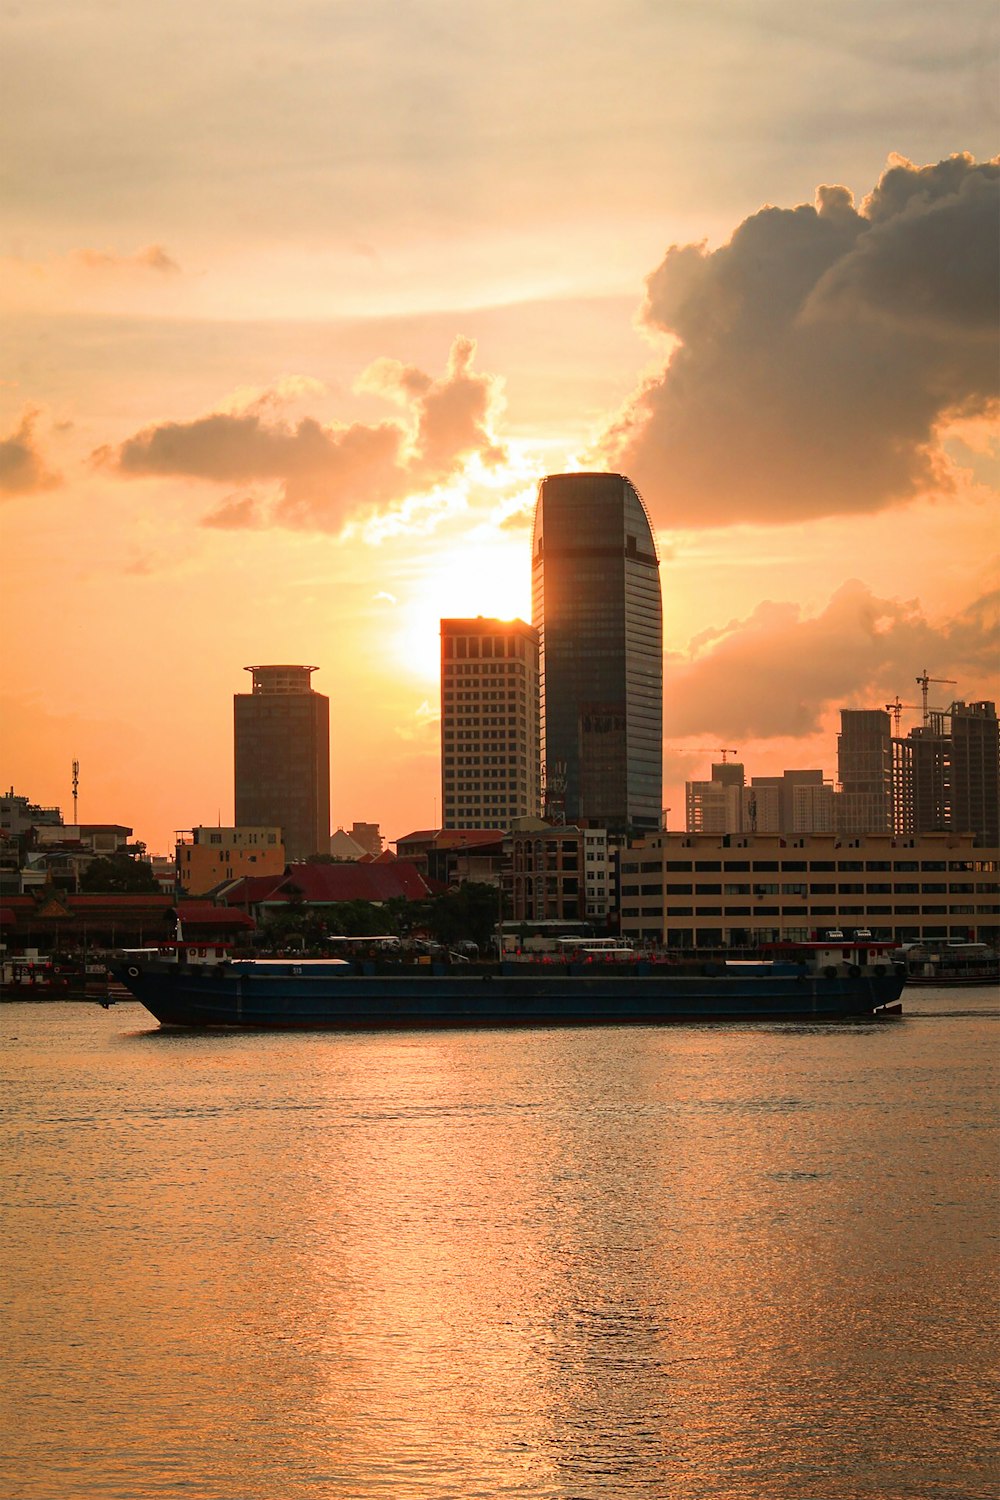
468	913
113	874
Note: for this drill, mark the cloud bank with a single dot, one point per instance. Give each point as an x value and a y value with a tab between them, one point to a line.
324	473
775	673
819	351
23	470
150	258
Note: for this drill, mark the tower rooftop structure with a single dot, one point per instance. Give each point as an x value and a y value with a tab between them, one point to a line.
281	679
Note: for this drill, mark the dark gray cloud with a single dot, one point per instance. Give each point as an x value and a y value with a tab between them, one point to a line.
325	472
23	469
819	351
237	514
775	673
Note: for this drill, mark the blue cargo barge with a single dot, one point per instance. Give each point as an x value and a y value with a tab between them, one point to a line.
307	994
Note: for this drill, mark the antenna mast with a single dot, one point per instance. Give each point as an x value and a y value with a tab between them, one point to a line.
76	788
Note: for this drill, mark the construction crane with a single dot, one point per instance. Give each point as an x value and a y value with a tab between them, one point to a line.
710	750
923	682
895	708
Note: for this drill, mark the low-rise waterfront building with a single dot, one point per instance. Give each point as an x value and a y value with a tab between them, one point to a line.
706	891
318	887
598	875
207	856
449	856
19	815
546	872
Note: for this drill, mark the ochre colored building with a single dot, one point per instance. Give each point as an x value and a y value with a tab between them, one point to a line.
205	857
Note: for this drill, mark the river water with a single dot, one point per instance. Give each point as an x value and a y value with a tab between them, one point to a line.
694	1261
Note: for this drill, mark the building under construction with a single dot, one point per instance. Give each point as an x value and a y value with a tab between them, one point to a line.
946	774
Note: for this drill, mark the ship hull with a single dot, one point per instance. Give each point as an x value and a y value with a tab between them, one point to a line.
289	996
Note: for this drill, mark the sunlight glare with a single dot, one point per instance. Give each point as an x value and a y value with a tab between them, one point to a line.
488	575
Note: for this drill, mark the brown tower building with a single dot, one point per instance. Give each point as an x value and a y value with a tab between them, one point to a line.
281	743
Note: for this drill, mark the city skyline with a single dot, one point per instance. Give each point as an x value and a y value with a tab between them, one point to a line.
280	384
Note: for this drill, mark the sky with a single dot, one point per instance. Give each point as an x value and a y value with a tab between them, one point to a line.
301	300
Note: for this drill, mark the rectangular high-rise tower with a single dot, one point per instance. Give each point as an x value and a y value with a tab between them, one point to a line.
864	769
281	749
489	722
596	604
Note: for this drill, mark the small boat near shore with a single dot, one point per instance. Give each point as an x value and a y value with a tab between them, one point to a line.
365	994
952	965
36	977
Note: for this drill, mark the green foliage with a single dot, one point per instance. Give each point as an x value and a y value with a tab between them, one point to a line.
470	912
118	873
466	914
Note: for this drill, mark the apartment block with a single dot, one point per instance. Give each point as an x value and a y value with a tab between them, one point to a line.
598	875
948	773
716	806
865	772
700	890
546	867
489	723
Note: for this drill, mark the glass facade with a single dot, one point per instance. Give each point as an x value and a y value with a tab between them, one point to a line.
596	605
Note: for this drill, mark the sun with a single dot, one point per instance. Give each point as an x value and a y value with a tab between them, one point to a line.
488	575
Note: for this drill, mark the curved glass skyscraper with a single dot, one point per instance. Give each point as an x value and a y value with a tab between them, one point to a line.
596	606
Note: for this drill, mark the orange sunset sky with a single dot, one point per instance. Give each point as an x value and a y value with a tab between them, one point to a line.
301	300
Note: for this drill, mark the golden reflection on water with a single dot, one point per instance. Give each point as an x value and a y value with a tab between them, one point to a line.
714	1262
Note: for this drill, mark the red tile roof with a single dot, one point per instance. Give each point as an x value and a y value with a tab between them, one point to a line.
462	838
249	890
122	901
56	910
207	916
325	884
